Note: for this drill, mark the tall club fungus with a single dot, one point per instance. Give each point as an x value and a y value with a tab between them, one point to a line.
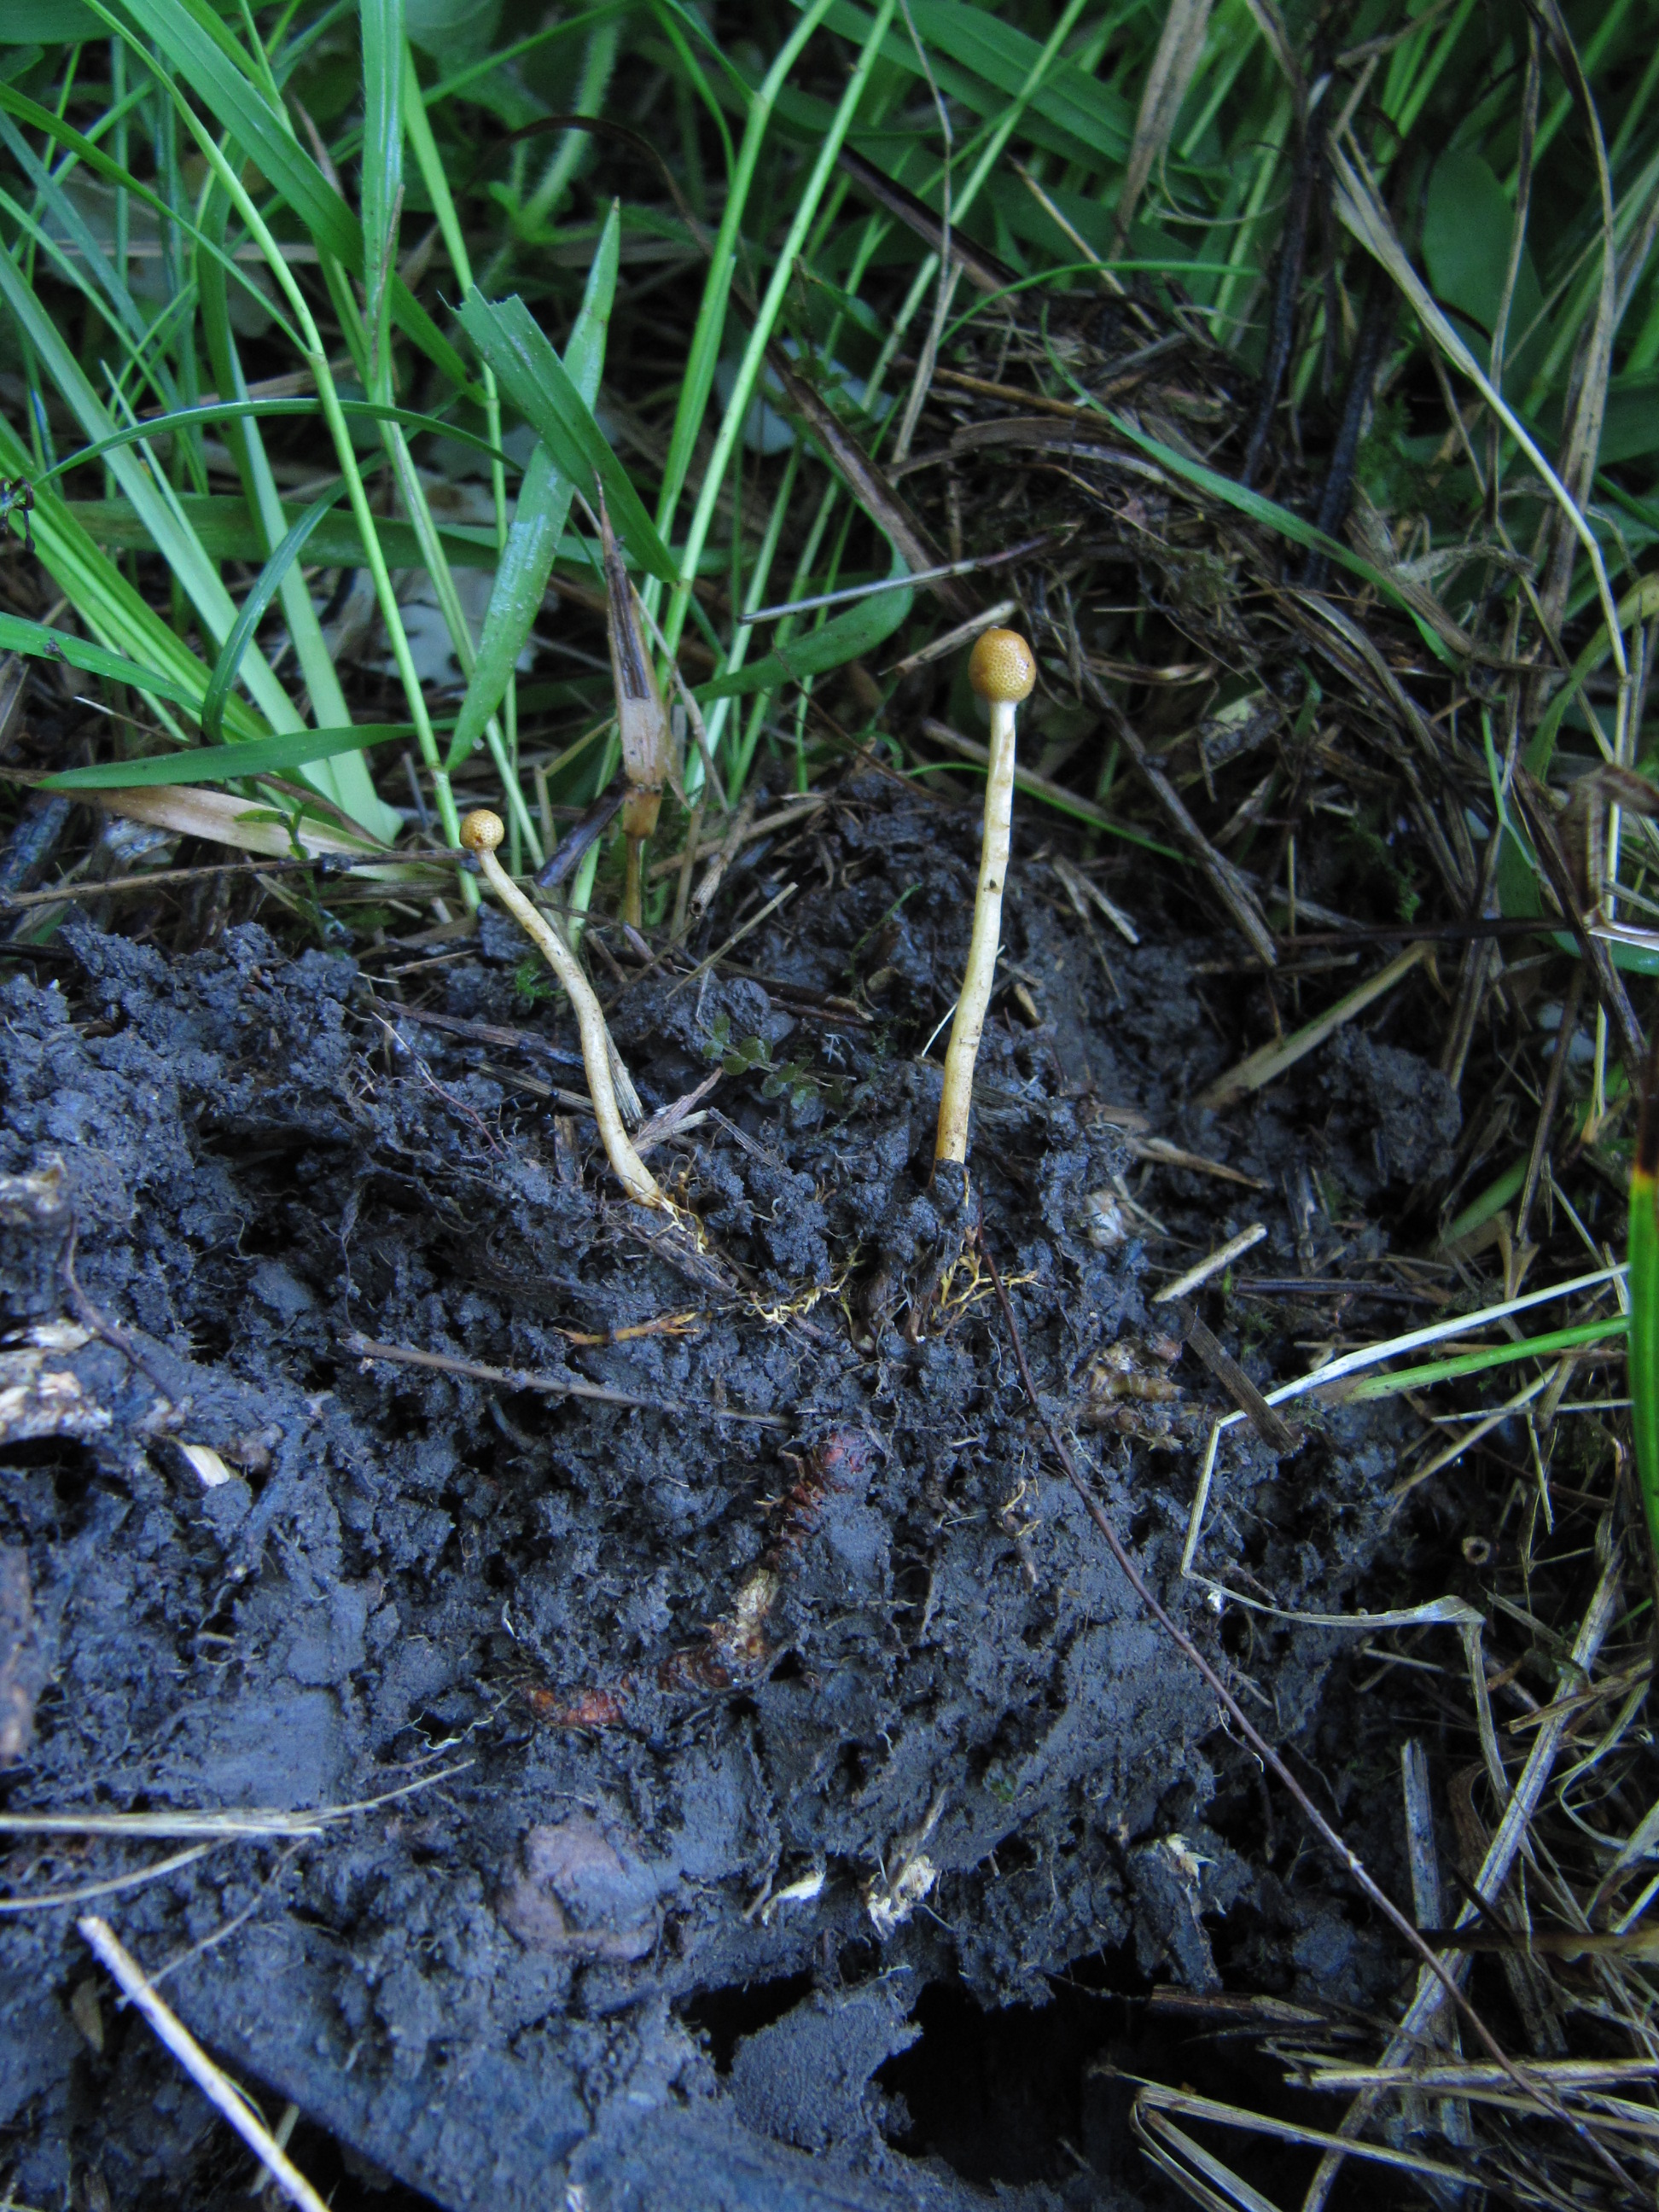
1003	671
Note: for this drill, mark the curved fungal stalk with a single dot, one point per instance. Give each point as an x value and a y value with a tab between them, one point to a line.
481	833
1003	671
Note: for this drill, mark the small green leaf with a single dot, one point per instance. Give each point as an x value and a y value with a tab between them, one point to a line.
283	755
453	31
1481	1209
1630	428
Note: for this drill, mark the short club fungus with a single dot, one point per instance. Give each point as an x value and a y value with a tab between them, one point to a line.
1003	671
481	833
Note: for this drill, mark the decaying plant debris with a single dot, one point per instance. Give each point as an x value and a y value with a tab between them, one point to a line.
582	1703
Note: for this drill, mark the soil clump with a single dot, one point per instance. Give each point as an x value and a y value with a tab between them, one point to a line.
734	1690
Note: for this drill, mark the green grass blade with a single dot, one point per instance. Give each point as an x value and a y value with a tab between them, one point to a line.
983	61
252	610
597	63
229	531
697	379
48	22
1477	1363
292	751
382	175
535	379
545	497
783	274
198	58
346	780
25	110
461	80
197	574
1643	1353
859	631
219	411
105	601
38	642
515	598
435	177
92	268
317	362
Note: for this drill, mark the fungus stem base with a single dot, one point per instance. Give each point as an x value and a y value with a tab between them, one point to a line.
635	1178
957	1096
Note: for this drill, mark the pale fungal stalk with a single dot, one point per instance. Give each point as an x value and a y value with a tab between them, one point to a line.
1002	670
481	833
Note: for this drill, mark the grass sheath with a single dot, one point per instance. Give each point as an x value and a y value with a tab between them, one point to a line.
1002	670
481	833
647	747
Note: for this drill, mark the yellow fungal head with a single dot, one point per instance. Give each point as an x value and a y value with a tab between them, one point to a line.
1003	670
482	831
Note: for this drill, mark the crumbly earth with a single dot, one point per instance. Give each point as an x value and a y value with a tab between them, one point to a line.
803	1674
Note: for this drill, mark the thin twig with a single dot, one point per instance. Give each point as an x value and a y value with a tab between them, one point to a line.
1273	1429
1214	1264
1027	549
222	1824
213	2083
54	1899
520	1378
163	878
735	938
99	1323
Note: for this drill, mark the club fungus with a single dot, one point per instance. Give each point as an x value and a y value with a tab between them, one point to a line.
1002	670
481	833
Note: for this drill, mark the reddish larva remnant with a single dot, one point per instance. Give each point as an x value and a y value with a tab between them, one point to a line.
594	1709
841	1461
735	1648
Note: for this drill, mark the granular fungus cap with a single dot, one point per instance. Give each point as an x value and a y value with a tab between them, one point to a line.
482	831
1003	668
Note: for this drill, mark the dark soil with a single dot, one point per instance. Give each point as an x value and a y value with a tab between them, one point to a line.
798	1797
